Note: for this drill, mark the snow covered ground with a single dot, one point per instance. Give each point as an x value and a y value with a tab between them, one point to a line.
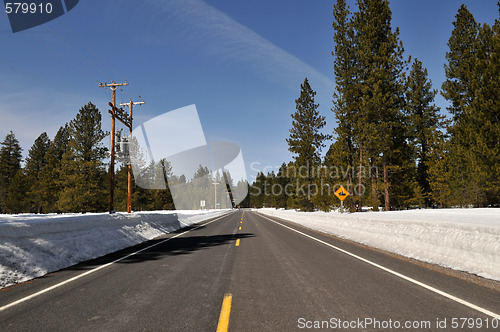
33	245
461	239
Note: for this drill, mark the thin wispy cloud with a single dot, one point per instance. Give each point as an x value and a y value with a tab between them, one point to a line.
30	112
216	34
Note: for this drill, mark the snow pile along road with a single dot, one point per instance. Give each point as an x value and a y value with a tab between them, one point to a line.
34	245
461	239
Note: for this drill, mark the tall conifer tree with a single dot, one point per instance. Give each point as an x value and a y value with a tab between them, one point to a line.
10	165
346	98
35	162
49	184
82	172
369	99
306	141
461	57
472	73
424	122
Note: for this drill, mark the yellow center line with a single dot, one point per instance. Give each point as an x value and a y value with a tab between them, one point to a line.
240	228
238	242
224	313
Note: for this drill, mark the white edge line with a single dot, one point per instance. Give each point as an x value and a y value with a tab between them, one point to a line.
402	276
29	297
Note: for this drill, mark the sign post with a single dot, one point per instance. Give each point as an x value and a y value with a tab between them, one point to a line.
341	194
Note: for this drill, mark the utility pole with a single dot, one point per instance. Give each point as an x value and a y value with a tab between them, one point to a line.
215	194
129	195
113	87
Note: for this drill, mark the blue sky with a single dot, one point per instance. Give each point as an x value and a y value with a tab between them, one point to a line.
240	62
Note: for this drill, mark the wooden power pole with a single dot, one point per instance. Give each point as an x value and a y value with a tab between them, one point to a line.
113	87
215	194
129	125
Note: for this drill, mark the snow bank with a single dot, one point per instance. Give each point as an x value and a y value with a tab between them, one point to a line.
34	245
461	239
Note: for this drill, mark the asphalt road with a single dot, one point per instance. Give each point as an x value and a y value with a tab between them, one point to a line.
275	279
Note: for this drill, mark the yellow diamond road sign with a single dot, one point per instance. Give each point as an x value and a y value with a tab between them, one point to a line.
341	193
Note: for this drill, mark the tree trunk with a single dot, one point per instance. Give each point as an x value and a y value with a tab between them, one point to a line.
360	180
374	188
386	187
350	163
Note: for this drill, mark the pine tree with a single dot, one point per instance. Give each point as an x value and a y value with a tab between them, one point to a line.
438	169
483	114
17	199
424	122
201	187
163	198
283	183
346	99
82	172
87	134
36	155
10	165
258	191
380	66
338	163
49	185
243	186
270	197
142	199
305	140
121	188
472	88
460	65
458	90
35	162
